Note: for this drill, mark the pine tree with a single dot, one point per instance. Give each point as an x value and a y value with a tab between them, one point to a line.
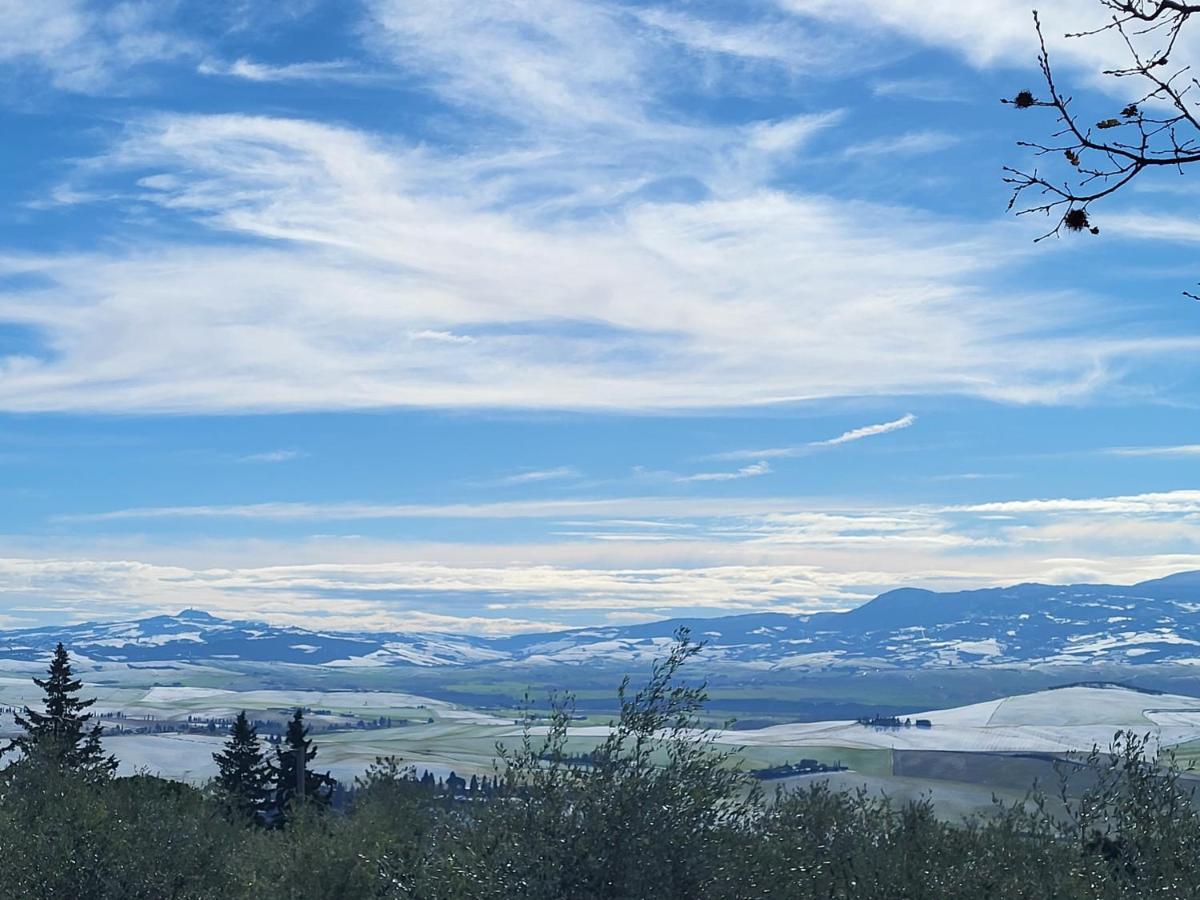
60	735
244	775
318	789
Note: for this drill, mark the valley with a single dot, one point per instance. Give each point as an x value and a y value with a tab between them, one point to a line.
956	716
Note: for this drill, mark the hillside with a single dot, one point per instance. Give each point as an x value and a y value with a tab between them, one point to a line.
1024	625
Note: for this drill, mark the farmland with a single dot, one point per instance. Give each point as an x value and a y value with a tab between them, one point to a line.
965	755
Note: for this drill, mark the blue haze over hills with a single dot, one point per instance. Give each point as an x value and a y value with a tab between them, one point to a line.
1154	622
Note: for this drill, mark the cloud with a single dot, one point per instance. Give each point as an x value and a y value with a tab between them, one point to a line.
912	143
514	509
720	302
591	249
593	246
533	477
751	471
936	90
857	434
442	337
1161	502
779	40
390	595
567	63
640	554
331	70
85	47
1176	450
273	456
479	589
971	476
983	33
1155	227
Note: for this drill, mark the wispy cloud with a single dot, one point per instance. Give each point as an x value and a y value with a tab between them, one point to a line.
601	249
737	555
984	33
352	220
971	476
753	470
441	337
558	473
273	456
516	509
936	90
332	70
1175	450
855	434
1154	503
910	143
88	48
1156	227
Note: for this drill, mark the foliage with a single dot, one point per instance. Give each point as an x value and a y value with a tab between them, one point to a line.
657	811
59	735
243	774
318	788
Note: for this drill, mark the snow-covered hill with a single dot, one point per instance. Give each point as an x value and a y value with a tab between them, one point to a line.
1071	718
1152	622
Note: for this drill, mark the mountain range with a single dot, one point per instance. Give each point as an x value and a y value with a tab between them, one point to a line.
1154	622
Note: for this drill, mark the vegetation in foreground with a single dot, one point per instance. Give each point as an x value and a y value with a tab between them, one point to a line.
655	812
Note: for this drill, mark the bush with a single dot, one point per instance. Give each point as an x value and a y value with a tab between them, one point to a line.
656	811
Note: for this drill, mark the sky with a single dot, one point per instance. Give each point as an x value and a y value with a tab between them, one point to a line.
512	316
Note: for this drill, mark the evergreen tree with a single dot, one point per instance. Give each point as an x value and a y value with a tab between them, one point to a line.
318	789
244	775
60	735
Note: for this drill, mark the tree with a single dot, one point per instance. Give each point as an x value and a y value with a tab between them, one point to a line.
1156	127
296	744
643	818
59	735
244	775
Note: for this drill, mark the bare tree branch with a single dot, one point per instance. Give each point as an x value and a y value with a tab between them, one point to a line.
1158	128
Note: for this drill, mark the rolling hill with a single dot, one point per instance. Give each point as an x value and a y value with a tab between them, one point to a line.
1154	622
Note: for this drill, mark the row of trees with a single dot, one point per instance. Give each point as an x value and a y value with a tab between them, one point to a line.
656	812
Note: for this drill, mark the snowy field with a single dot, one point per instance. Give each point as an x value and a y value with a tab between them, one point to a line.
439	736
1055	721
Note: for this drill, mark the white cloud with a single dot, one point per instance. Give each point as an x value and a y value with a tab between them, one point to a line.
1160	502
273	456
751	471
86	47
443	337
557	473
547	58
912	143
518	509
331	70
1176	450
602	253
645	554
713	303
783	42
382	585
1155	227
982	33
857	434
932	89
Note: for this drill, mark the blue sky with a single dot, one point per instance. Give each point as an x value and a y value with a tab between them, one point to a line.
508	316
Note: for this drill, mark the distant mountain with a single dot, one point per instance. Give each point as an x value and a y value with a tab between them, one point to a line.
1026	624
